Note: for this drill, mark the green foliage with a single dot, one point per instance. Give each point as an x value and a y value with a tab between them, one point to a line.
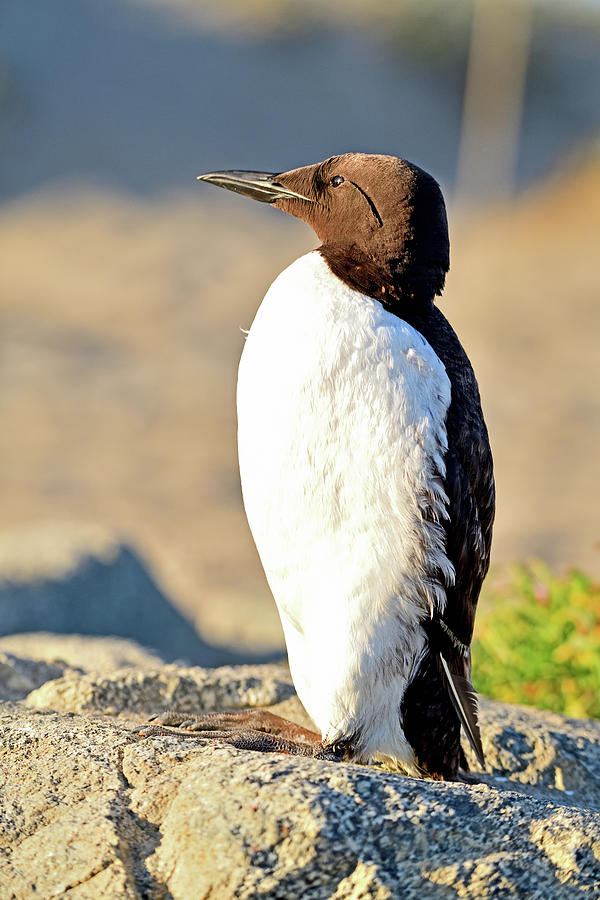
537	642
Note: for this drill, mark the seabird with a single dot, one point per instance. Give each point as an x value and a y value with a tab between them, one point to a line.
366	474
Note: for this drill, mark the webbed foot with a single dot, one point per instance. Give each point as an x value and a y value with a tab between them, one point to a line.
251	729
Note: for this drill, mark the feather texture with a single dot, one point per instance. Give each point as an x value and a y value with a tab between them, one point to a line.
463	696
341	434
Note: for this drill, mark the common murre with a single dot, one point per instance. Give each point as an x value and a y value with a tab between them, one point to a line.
366	473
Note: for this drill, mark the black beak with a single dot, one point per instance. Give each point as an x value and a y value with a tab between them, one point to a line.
261	186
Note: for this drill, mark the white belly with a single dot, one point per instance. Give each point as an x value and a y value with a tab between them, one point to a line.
341	427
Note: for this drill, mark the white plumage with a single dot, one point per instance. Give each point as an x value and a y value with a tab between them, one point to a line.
341	429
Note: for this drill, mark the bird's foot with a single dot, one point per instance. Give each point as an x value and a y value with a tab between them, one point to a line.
251	729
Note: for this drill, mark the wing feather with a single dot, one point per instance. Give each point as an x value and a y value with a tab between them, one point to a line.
469	485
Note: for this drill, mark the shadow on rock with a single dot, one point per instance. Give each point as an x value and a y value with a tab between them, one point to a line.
84	581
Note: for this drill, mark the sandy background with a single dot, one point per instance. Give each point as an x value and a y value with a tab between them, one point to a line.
120	323
124	284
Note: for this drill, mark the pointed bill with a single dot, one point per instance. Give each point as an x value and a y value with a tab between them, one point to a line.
262	186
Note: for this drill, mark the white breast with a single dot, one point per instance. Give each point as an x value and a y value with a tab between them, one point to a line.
341	427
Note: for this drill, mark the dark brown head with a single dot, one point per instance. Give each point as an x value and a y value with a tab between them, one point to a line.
381	220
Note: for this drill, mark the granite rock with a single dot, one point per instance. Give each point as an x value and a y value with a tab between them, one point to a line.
91	811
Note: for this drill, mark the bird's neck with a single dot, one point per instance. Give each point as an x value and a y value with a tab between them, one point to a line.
402	287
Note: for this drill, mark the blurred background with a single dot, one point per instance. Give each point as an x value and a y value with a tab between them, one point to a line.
124	284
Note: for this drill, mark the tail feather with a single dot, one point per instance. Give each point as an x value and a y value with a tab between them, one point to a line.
463	696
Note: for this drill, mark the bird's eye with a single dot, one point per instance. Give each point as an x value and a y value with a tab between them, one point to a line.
337	180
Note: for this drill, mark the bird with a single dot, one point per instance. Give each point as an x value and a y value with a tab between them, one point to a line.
366	472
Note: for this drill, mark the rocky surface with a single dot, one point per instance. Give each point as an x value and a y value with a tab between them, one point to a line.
90	811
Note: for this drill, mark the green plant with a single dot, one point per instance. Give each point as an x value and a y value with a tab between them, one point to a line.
537	642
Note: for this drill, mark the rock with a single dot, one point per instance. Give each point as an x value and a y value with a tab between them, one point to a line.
542	751
90	811
18	676
67	579
145	691
28	661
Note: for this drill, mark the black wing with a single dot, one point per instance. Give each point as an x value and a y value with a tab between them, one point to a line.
430	721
